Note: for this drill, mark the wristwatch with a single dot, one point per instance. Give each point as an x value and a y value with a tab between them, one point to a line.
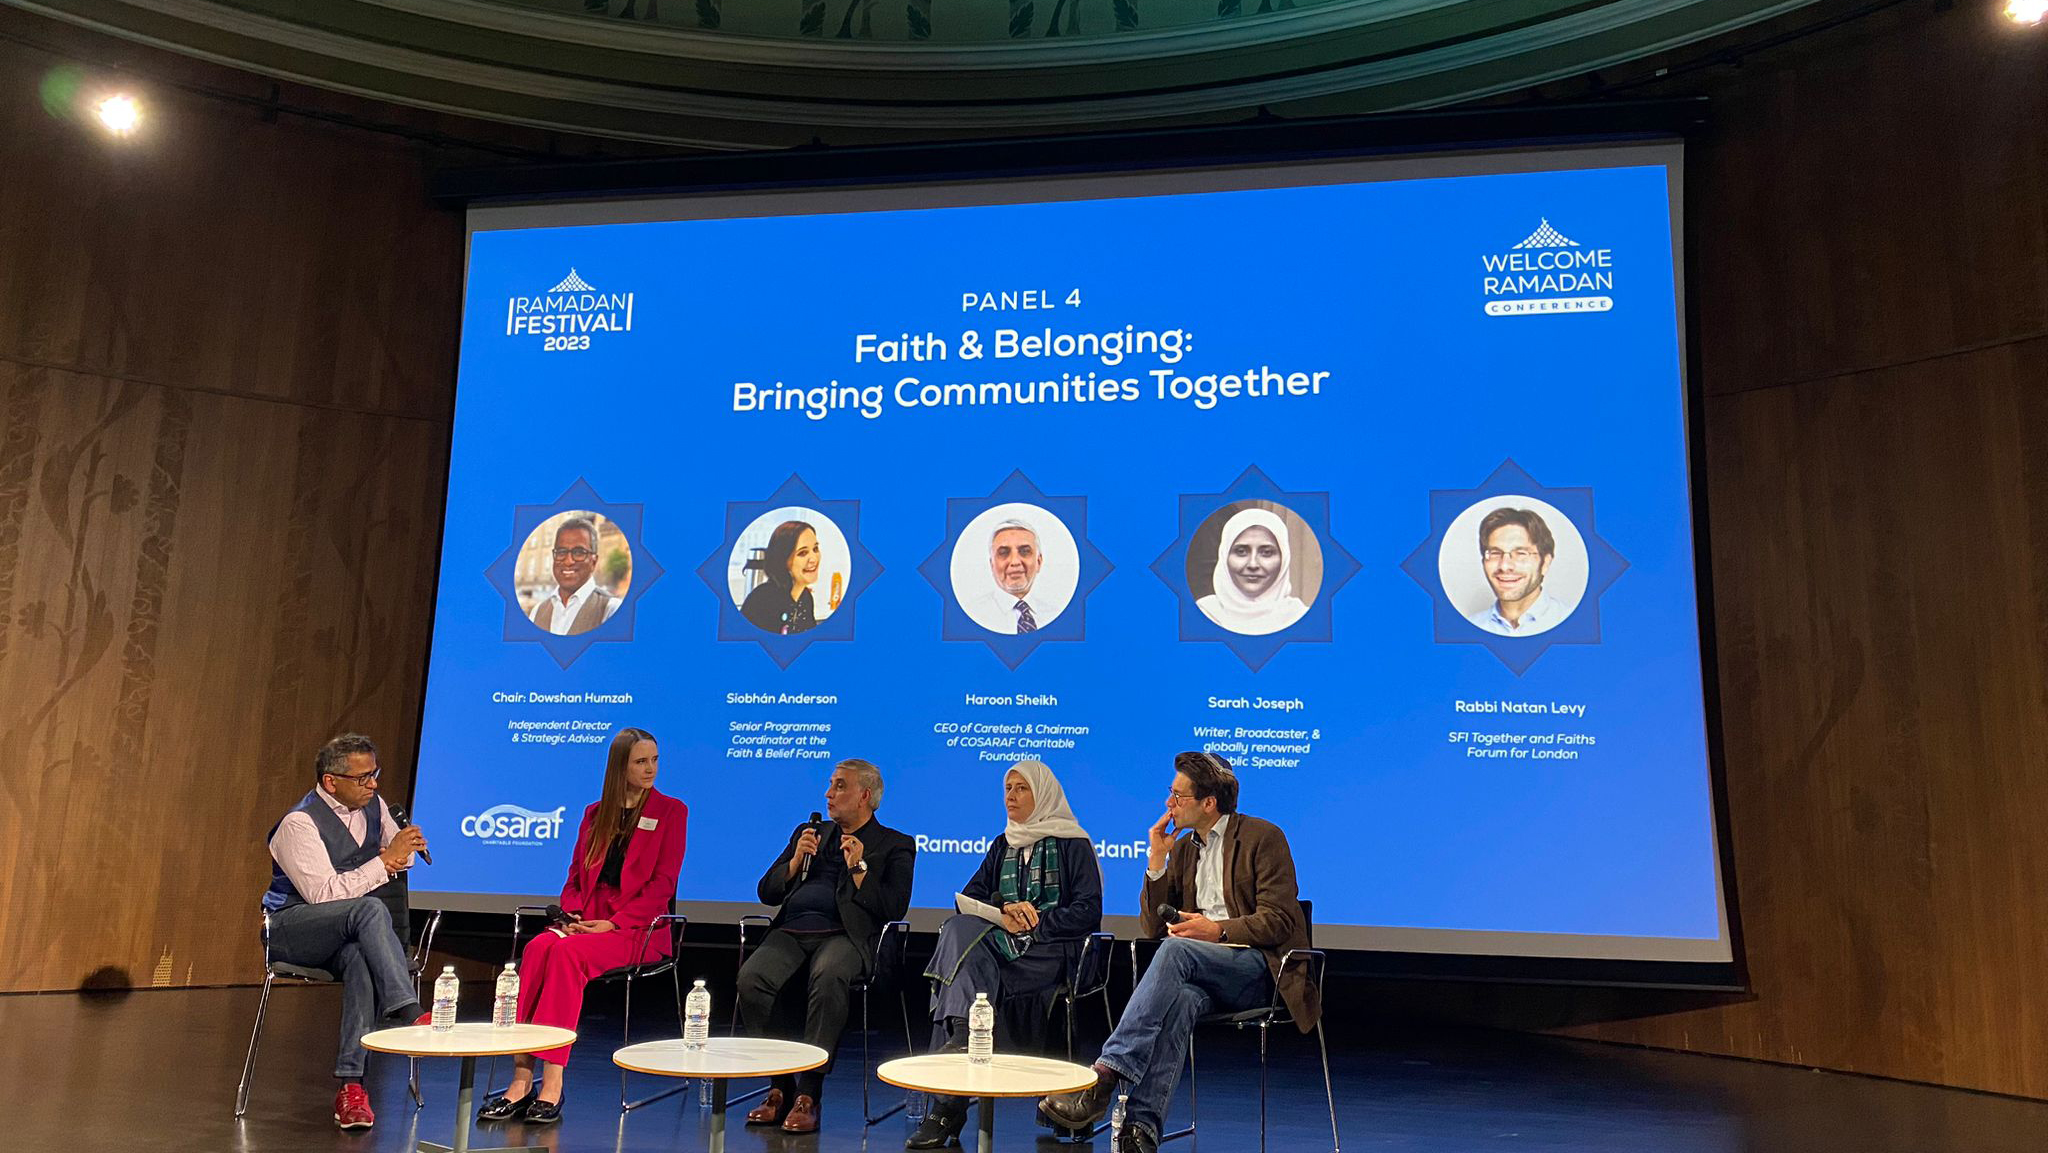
861	866
1223	936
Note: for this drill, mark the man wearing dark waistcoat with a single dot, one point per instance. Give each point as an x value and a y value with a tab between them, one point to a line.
334	859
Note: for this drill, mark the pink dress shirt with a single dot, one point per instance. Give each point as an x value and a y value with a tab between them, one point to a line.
298	850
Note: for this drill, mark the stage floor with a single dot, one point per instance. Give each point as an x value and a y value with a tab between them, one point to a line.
157	1070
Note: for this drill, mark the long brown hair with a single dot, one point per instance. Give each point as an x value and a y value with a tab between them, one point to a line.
610	821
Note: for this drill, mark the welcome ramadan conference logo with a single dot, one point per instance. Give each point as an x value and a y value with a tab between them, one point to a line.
566	316
1548	272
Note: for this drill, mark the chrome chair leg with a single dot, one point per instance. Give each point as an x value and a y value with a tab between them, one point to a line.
1329	1093
255	1036
867	1063
412	1082
1262	1087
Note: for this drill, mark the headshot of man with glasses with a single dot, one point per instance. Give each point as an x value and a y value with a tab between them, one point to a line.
576	604
1515	551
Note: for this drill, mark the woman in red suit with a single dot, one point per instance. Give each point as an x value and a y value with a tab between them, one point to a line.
629	852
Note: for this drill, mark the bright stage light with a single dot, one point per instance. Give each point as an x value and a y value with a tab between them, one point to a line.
2026	11
119	114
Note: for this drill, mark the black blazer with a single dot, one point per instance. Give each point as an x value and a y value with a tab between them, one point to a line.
864	908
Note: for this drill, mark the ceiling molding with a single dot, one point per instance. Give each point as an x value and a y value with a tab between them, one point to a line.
708	89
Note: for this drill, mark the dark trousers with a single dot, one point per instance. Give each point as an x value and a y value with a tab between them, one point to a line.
834	964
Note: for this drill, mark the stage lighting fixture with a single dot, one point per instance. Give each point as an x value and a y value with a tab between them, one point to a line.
2026	11
119	114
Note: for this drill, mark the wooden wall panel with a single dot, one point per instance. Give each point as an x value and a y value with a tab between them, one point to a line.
1870	196
222	252
1878	557
226	370
1870	212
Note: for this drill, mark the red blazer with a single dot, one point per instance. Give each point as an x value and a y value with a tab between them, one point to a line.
647	883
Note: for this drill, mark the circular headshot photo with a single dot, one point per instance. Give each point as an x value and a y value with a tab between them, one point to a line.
1514	565
1254	567
788	570
1015	568
572	573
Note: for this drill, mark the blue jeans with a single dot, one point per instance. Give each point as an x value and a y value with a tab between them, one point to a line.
354	940
1187	980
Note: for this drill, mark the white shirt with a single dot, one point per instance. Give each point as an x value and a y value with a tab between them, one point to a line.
996	611
299	851
565	614
1208	873
1547	614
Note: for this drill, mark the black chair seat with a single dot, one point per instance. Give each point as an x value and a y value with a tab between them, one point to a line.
1249	1017
303	972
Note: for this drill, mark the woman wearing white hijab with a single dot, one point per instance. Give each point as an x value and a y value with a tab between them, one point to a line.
1254	577
1043	874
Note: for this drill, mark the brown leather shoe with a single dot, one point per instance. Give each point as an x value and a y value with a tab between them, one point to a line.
769	1111
803	1116
1081	1110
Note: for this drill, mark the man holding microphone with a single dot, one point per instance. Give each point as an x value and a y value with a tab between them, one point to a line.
1233	875
335	860
836	884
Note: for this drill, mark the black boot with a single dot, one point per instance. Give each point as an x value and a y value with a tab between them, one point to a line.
941	1126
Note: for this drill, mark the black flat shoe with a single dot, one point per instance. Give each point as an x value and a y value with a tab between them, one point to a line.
940	1129
498	1108
543	1112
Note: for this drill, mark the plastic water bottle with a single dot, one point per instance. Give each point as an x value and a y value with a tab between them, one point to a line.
981	1031
1116	1123
505	1004
446	988
697	1017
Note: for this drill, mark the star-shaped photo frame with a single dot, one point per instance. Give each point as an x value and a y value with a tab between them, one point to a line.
959	568
1581	567
841	522
504	573
1254	489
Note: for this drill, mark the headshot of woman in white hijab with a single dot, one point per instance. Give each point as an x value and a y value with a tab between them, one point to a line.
1254	576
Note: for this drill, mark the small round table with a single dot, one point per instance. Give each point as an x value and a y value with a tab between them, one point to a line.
1009	1075
467	1041
721	1059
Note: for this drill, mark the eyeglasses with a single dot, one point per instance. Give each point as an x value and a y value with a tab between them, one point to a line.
574	554
1175	795
1519	555
372	775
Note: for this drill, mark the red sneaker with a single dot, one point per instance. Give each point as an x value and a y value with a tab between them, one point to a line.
426	1018
352	1108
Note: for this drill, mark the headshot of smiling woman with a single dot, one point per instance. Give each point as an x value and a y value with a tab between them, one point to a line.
1253	580
783	603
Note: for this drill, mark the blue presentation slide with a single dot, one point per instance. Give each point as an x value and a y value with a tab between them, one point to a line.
1376	489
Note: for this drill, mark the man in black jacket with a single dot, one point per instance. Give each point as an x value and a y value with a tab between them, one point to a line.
836	887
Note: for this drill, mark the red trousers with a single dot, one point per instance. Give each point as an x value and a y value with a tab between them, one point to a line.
554	970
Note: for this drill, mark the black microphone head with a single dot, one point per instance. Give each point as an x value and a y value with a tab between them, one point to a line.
816	816
1169	914
398	815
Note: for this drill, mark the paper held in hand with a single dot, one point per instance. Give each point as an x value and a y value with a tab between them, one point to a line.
982	909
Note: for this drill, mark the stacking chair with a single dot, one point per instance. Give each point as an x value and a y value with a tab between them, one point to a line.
274	969
1263	1019
629	974
888	958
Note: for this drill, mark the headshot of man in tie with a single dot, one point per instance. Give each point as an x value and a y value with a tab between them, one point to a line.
1014	568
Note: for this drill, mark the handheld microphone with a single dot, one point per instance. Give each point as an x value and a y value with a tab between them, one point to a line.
805	873
1169	914
559	916
402	819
